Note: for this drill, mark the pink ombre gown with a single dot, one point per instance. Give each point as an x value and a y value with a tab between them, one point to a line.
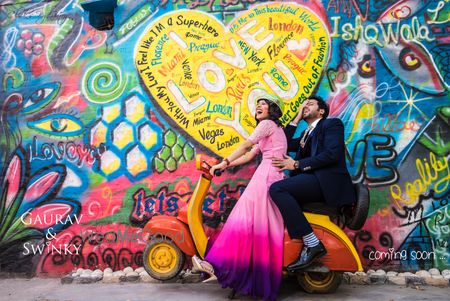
248	253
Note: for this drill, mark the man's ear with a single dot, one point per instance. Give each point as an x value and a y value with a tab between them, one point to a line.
321	111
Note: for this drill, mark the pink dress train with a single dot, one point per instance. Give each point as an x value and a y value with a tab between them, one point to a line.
248	253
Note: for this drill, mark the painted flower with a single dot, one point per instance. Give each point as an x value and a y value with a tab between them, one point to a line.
30	206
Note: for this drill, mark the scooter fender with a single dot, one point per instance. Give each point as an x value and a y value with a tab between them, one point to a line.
341	253
173	228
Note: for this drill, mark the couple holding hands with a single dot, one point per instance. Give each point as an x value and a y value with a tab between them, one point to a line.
248	253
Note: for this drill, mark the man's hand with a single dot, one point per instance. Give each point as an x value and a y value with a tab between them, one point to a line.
299	116
285	163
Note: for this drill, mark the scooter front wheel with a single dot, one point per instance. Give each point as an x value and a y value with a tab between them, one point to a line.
319	283
163	260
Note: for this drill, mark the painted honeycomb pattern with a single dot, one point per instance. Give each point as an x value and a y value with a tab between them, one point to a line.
175	150
130	136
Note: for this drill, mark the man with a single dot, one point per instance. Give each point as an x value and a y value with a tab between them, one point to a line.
318	174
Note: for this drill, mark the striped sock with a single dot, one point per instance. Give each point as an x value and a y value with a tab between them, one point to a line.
310	240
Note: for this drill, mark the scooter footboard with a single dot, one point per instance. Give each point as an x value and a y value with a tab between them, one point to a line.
173	228
341	253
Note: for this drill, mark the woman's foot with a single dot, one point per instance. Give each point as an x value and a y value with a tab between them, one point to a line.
204	266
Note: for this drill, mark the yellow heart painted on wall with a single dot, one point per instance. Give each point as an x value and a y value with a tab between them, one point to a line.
206	77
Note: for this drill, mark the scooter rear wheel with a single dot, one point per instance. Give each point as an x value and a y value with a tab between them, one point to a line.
319	283
163	260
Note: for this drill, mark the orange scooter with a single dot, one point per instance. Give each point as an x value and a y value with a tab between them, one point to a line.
175	238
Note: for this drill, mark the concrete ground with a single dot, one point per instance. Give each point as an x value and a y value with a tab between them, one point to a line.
37	289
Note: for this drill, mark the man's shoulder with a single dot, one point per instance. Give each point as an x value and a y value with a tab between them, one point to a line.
332	122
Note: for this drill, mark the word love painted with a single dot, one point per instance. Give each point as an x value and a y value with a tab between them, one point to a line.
197	70
73	152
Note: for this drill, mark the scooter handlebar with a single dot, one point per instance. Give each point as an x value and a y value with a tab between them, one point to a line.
217	172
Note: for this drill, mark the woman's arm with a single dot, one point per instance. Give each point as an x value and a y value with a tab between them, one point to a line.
240	150
264	129
243	159
237	153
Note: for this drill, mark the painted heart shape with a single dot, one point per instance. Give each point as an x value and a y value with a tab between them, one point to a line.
299	48
402	13
206	77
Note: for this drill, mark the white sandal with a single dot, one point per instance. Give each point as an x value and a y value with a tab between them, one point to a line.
204	266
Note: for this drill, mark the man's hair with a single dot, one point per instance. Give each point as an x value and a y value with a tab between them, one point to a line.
322	105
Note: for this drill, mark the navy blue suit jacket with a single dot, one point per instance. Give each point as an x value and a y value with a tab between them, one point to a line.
327	160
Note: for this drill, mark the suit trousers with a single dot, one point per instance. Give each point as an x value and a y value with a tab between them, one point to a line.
289	195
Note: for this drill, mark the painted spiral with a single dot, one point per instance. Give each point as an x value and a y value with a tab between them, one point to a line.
103	83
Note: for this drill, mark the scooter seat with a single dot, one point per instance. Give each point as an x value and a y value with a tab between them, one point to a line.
320	208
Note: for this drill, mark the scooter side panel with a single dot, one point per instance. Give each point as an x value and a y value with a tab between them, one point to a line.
173	228
341	256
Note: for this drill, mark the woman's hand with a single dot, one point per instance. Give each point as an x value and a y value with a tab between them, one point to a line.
221	166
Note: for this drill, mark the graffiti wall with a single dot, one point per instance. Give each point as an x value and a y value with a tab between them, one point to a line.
100	128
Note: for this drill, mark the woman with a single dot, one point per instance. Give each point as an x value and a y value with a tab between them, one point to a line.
248	253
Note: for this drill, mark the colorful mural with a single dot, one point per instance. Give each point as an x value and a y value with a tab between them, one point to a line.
99	129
